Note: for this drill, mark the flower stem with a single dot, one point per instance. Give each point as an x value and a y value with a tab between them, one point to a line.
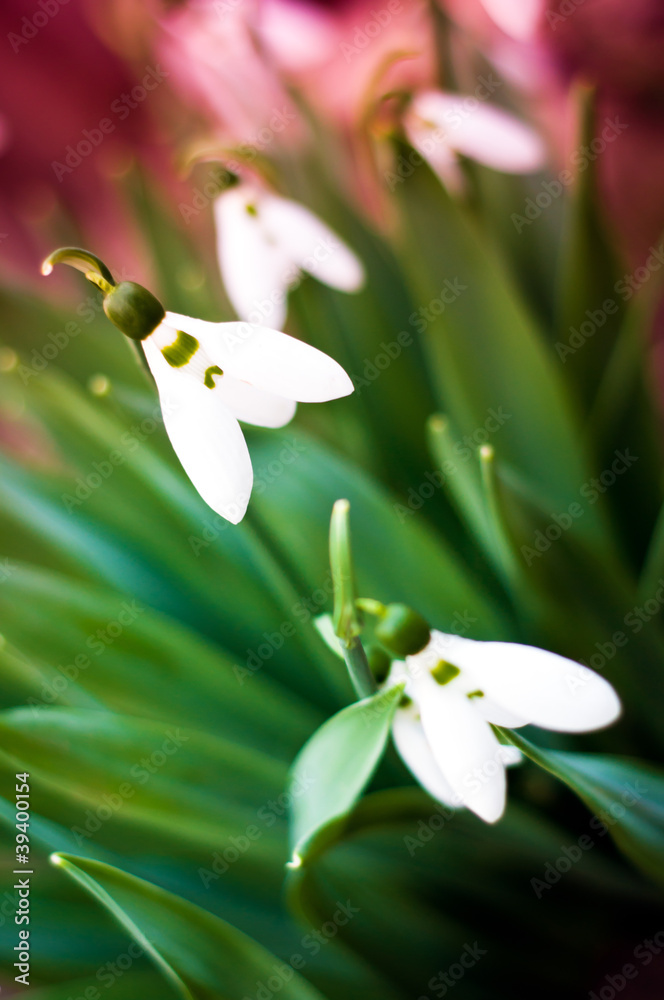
363	680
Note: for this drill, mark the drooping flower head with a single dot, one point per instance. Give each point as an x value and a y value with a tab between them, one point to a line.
265	242
212	375
457	688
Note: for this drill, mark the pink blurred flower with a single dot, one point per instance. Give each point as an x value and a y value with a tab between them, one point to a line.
614	45
211	49
58	82
351	53
618	46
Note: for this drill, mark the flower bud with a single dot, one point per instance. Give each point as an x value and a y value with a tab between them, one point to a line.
402	631
134	310
379	661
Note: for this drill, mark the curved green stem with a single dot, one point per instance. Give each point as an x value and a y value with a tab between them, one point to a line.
92	267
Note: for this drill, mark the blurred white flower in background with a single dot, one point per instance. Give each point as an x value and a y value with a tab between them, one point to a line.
443	126
265	242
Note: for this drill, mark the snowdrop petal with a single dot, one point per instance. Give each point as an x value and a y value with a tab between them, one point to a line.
517	18
435	149
510	756
480	131
464	747
547	689
205	436
267	359
274	362
416	754
255	269
254	406
494	712
310	244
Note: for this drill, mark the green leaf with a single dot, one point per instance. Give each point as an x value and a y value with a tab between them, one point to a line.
490	360
589	273
397	554
333	769
118	779
91	647
626	796
203	957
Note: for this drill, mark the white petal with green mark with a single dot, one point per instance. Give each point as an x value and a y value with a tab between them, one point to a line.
464	747
254	269
268	359
205	436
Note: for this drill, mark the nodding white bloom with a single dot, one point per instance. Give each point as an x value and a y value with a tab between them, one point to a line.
440	126
517	18
210	375
264	242
455	689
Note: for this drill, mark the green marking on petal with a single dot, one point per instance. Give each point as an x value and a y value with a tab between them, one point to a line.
405	701
209	375
475	694
444	672
252	210
181	351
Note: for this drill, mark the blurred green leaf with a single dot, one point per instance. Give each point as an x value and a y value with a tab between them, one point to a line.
489	359
199	954
626	796
88	646
99	771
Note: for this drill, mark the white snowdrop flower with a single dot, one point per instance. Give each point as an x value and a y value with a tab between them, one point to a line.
455	689
517	18
264	242
440	126
211	375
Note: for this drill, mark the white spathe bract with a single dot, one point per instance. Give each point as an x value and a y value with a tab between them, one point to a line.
440	126
457	687
264	242
210	375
